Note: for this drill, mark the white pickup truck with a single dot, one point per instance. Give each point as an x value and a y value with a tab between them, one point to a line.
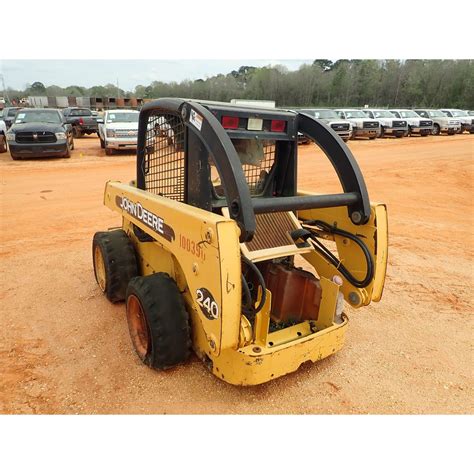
118	130
416	125
328	116
3	139
389	124
467	122
441	122
361	125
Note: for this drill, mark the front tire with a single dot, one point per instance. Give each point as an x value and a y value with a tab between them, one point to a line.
67	153
109	151
158	321
436	129
115	263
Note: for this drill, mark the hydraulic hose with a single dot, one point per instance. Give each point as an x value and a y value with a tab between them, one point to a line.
259	275
331	258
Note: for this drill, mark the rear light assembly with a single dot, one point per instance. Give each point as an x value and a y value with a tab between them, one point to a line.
230	122
81	121
278	125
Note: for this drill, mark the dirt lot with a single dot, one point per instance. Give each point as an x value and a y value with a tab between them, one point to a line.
65	349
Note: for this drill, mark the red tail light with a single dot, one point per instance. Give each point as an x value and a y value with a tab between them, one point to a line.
278	126
230	122
81	121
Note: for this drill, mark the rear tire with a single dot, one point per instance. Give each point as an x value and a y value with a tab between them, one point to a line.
158	321
76	132
115	263
3	144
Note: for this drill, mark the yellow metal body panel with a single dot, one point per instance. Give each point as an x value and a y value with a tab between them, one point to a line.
206	246
256	364
382	251
375	237
200	249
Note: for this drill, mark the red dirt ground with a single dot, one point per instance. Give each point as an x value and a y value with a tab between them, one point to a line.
65	349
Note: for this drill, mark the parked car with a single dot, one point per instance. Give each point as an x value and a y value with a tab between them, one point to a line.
3	138
8	115
470	113
389	124
342	127
467	122
82	120
361	125
416	125
441	122
37	133
119	130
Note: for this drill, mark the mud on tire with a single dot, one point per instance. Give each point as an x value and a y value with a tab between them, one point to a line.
161	333
115	263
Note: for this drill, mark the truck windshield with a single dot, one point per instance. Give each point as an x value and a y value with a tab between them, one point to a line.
126	117
436	113
383	114
81	112
457	113
325	114
355	114
408	114
45	116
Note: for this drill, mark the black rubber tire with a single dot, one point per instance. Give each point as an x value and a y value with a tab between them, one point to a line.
120	262
102	143
436	130
3	144
382	132
167	319
76	132
67	153
109	151
15	157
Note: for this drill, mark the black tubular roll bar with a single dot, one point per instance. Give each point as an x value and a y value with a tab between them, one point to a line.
344	163
200	121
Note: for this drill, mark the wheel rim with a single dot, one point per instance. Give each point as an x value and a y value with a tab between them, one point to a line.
99	266
138	327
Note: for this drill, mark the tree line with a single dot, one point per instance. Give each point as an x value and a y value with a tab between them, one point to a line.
324	83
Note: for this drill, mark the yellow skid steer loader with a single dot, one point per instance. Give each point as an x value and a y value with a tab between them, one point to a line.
213	229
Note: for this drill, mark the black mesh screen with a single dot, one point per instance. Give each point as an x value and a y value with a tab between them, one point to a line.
164	169
256	175
256	167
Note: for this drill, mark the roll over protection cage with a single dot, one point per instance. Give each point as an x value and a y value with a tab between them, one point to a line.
243	207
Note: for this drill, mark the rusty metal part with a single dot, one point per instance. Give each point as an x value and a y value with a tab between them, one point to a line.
296	294
138	327
273	230
99	266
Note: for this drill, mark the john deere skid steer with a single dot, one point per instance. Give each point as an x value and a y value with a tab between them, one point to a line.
214	233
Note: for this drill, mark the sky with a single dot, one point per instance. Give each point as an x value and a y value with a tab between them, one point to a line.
129	73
